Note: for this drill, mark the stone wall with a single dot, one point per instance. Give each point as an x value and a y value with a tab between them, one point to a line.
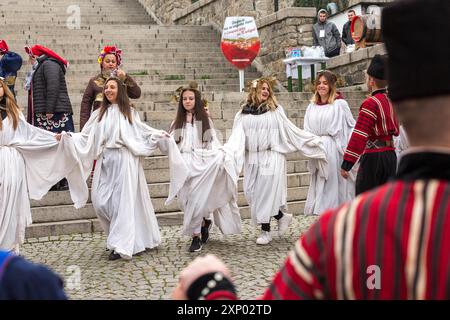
209	11
350	67
290	27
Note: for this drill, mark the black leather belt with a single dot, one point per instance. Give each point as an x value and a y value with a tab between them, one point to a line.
378	144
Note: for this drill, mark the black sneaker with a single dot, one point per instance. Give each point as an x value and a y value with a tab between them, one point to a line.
114	256
205	230
196	245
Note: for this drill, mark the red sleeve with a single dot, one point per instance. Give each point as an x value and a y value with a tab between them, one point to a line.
364	127
304	274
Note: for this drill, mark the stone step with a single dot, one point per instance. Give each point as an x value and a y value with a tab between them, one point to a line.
91	66
46	229
96	28
218	112
133	32
193	56
68	212
158	188
141	74
295	169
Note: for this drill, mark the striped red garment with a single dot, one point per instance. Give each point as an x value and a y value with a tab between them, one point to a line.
390	243
376	121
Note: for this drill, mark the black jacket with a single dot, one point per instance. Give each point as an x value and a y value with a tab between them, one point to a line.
346	34
49	87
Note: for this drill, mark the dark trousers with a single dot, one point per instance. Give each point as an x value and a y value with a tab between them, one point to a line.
375	169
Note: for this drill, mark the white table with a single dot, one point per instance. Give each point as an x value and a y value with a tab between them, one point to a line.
294	68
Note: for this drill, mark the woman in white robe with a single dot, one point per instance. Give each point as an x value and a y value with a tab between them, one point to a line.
262	136
31	163
209	189
115	137
329	117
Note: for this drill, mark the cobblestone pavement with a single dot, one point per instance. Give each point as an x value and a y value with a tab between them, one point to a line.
82	261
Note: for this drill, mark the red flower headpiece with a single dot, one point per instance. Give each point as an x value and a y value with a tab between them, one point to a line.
3	46
111	50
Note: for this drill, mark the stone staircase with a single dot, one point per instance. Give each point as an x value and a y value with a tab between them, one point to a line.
160	58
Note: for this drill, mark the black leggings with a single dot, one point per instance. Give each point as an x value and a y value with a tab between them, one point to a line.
266	226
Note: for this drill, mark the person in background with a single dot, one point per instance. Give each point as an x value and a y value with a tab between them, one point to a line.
49	105
110	61
326	35
346	33
10	64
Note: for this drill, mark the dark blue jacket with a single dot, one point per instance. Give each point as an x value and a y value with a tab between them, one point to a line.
10	63
23	280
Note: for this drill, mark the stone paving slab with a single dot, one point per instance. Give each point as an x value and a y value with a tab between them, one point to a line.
154	273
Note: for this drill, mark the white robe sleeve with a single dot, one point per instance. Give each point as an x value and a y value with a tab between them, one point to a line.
292	138
235	148
178	170
153	139
46	160
342	125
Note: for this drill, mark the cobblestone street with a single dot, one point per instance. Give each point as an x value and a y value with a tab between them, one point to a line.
82	261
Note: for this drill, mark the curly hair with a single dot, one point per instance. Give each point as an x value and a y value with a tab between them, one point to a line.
253	97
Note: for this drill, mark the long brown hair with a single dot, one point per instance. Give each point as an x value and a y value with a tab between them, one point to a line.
331	79
12	109
255	91
200	114
122	100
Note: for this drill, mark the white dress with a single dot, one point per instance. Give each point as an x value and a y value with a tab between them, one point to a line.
210	188
31	162
120	194
334	124
260	143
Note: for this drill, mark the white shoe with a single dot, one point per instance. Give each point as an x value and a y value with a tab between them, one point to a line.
264	238
283	223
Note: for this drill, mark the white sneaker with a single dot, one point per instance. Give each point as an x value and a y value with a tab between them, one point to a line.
283	223
264	238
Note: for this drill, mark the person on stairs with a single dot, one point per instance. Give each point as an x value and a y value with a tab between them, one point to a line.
10	64
30	164
110	60
116	137
209	191
262	136
49	105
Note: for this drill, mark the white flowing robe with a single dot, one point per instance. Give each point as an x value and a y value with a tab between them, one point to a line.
333	123
210	187
31	162
259	143
120	194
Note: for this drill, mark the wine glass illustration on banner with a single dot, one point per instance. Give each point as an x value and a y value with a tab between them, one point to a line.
240	43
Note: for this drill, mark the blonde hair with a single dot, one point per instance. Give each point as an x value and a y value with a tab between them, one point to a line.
12	109
331	78
255	91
